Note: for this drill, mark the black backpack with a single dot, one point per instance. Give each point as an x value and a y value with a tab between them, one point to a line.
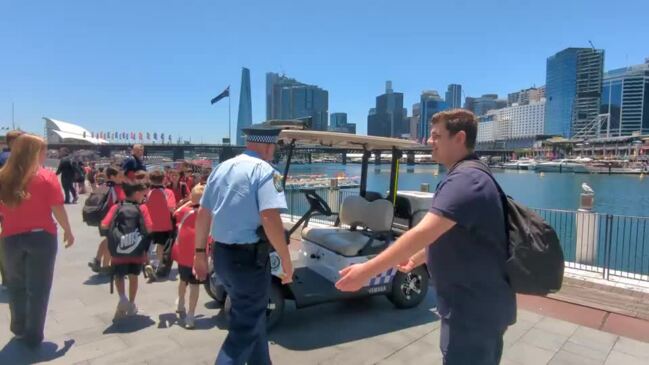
96	206
127	235
535	265
79	173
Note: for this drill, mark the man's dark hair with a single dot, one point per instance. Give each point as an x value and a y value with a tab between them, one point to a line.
457	120
111	172
131	188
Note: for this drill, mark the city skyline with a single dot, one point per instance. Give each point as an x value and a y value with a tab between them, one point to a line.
122	65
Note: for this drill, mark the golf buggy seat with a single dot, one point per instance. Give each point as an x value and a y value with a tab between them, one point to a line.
369	231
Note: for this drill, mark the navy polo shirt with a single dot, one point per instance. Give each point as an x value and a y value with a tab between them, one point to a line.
467	263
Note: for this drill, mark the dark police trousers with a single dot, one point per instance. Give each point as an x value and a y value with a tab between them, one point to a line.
29	266
68	189
470	345
247	283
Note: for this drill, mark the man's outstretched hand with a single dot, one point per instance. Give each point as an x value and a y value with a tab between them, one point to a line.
352	278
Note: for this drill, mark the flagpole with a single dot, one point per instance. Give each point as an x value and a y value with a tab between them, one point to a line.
229	119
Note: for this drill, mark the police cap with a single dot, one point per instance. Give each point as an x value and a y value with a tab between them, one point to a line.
262	133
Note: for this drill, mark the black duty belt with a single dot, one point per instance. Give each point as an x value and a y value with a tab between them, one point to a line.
238	246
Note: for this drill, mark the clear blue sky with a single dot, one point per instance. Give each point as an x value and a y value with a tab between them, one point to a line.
154	65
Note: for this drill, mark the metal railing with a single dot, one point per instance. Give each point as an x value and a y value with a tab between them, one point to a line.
606	244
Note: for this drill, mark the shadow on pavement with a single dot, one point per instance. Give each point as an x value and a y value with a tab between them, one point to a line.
97	279
16	352
341	322
167	320
130	324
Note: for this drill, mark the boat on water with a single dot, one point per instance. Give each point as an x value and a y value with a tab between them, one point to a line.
577	165
616	167
521	164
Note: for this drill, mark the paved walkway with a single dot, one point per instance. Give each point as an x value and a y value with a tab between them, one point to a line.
80	329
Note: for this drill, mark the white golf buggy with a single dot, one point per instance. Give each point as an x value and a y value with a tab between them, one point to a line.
366	225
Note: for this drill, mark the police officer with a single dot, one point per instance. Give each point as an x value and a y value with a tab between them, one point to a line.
242	194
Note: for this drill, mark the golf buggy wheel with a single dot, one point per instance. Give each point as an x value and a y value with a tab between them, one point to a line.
275	308
409	289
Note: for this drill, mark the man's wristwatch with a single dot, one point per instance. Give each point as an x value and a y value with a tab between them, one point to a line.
199	250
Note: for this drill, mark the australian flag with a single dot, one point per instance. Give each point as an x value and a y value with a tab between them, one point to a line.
225	93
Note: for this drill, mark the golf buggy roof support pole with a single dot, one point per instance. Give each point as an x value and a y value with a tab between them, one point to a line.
394	176
291	147
364	163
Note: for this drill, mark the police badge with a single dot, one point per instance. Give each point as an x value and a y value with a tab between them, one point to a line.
277	181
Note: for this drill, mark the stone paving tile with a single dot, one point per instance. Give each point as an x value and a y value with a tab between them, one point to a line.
590	351
593	338
527	354
556	326
620	358
91	350
140	353
544	339
513	335
568	358
632	347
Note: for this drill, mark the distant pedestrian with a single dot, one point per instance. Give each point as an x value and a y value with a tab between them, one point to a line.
67	171
464	243
29	196
178	186
10	138
91	175
134	163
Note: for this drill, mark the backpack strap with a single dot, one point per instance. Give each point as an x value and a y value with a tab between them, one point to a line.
187	215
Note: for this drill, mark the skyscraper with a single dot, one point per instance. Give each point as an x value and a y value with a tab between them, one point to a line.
454	96
573	90
388	117
245	106
288	98
337	120
429	104
625	98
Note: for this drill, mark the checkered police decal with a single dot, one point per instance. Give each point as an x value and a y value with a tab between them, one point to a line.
261	139
383	278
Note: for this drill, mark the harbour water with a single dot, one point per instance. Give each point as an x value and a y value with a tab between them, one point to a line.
614	194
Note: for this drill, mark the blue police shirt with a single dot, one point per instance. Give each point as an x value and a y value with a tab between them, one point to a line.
236	192
133	164
467	263
4	156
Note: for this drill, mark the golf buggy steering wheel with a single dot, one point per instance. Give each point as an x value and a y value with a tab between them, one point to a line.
317	203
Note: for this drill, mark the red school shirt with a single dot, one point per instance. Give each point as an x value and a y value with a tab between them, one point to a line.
105	223
183	251
160	203
35	212
116	194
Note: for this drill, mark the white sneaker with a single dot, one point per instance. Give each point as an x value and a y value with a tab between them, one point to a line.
189	321
180	305
132	309
122	309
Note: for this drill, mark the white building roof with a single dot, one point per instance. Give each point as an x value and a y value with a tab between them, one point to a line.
71	132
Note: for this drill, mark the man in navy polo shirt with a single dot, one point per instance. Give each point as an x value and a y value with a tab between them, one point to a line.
134	163
464	244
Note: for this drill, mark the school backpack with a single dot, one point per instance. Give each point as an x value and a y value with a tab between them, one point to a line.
96	206
535	264
127	235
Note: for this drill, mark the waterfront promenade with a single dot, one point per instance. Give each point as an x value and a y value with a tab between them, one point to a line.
80	330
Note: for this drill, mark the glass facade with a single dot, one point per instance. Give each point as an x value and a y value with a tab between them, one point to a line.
387	119
625	97
611	104
430	104
337	120
287	98
560	90
454	96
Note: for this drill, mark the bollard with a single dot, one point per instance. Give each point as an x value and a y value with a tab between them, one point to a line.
587	230
425	187
333	198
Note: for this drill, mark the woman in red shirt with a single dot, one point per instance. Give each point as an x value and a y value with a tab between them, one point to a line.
29	196
179	187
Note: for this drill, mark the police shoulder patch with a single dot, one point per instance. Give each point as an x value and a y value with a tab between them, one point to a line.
277	181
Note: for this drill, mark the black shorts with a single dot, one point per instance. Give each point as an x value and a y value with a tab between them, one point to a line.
102	233
160	238
121	270
187	275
